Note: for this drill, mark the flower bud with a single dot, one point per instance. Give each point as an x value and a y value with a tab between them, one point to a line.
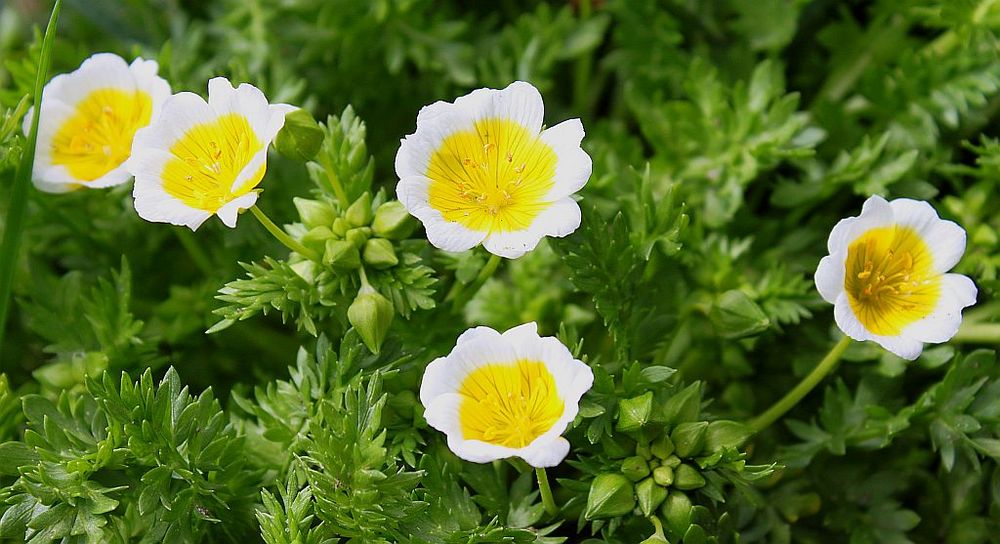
371	314
663	475
685	405
315	238
392	221
650	496
635	412
736	315
341	254
662	447
687	477
673	461
359	214
358	236
379	253
340	227
725	434
642	450
635	468
300	138
610	495
689	438
676	511
314	213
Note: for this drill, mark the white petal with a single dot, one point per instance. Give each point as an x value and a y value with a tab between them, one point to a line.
876	212
559	219
147	80
436	381
478	452
945	239
479	334
545	454
830	276
180	112
957	292
520	102
837	243
522	335
230	210
574	165
116	176
843	314
245	100
451	236
901	346
154	204
100	71
258	161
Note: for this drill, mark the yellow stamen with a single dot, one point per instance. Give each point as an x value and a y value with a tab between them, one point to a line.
97	138
509	404
474	180
890	280
208	160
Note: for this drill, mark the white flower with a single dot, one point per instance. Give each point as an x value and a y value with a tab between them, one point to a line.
204	158
482	170
886	276
88	119
504	395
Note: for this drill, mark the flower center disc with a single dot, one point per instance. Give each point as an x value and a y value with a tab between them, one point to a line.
97	138
889	279
492	178
208	159
509	404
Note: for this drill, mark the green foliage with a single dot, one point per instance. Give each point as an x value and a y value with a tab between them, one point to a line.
727	137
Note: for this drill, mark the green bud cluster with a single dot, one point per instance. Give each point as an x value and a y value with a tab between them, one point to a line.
655	479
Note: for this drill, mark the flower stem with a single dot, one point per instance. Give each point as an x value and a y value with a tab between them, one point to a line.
18	204
978	333
283	236
807	384
461	293
546	491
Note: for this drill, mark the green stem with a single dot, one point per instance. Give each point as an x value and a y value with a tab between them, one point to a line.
283	236
978	333
17	207
546	492
338	188
807	384
461	293
194	250
581	81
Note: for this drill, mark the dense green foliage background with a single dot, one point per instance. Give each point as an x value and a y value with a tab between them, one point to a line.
728	137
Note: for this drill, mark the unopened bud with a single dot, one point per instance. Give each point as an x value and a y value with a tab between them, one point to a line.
359	214
687	477
662	447
340	227
379	253
689	438
610	495
663	475
393	221
650	496
301	136
635	468
725	434
635	412
358	236
341	254
676	512
314	213
371	314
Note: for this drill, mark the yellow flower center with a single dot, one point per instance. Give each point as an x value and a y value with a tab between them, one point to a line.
492	178
208	159
509	404
97	137
889	279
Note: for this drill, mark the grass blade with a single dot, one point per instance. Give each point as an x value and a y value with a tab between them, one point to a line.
22	179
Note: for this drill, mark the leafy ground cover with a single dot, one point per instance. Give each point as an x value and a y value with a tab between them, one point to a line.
164	385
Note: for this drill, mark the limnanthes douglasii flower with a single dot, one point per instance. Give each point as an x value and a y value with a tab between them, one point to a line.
482	170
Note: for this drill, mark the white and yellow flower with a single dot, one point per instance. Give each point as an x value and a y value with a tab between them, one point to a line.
204	158
89	118
504	395
886	276
482	170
